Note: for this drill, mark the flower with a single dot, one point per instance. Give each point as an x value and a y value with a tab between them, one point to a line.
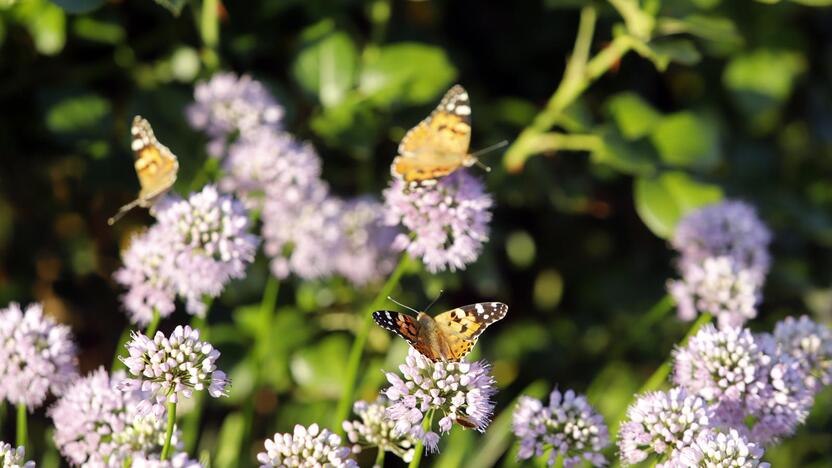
714	448
365	252
661	423
146	275
180	460
310	448
37	356
754	387
376	430
229	105
11	457
96	424
728	229
169	368
460	392
810	344
568	425
209	244
717	287
447	222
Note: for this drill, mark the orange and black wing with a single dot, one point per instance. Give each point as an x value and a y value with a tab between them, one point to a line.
405	326
156	166
462	326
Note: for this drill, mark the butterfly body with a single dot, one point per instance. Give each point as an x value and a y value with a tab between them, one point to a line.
438	145
447	337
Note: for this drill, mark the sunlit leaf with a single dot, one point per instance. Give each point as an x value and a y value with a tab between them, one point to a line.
407	73
326	63
629	157
689	140
634	117
663	200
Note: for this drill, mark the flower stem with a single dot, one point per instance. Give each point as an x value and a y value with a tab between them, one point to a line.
209	29
169	430
125	337
420	446
357	350
21	425
379	463
660	375
153	325
657	312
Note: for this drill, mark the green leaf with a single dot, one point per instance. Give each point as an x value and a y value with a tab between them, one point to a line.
230	441
676	50
688	140
173	6
77	114
407	73
662	201
634	117
92	29
326	64
319	369
46	22
629	157
78	6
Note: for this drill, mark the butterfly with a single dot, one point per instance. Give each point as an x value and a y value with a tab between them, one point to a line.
439	144
155	165
447	337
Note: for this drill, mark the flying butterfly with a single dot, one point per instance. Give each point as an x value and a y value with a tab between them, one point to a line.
439	145
156	166
447	337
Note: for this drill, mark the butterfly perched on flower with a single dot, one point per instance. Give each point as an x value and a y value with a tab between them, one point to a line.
439	144
447	337
156	166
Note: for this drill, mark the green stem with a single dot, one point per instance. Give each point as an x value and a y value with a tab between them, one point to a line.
209	29
379	463
657	312
153	325
169	430
420	446
354	360
660	375
125	337
21	425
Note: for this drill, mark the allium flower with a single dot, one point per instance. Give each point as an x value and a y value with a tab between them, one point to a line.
180	460
717	287
661	423
376	430
305	448
459	392
714	448
754	389
447	222
229	105
728	229
11	457
146	274
568	425
210	244
810	344
37	356
365	253
96	424
170	368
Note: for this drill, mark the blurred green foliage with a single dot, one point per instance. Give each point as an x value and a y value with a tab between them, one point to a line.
669	105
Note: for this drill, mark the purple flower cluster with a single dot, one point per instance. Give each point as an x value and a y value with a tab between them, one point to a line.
374	429
723	262
569	426
195	248
305	448
37	356
171	368
718	448
96	424
458	392
446	223
11	457
230	106
810	344
180	460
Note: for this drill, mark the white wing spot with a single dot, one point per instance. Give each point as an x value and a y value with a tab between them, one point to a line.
137	145
463	110
463	96
479	308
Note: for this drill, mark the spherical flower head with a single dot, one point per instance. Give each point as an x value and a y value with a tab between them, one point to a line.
307	448
96	424
810	344
270	164
714	448
229	105
179	460
569	425
210	244
716	286
146	276
728	229
37	356
374	429
447	223
662	423
365	253
171	368
11	457
457	392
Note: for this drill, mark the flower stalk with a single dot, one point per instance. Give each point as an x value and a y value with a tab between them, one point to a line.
22	431
169	430
420	446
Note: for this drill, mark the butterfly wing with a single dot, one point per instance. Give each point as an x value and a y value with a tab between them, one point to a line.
156	166
405	326
439	144
462	326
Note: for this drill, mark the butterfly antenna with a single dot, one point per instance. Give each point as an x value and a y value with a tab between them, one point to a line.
122	211
434	300
489	149
402	305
